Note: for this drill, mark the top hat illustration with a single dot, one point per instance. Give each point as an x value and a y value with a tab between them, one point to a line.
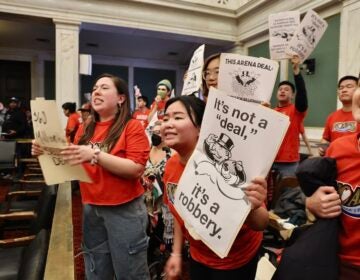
225	141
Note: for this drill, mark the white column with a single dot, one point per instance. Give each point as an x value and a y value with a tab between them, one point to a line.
37	77
349	55
238	48
67	62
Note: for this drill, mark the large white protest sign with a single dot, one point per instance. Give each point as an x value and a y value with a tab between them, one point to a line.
233	149
49	134
307	36
282	27
193	80
246	77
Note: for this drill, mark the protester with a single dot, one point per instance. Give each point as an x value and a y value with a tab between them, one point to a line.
142	112
85	112
288	156
210	73
180	130
14	125
152	179
113	150
3	110
341	122
326	202
163	93
73	122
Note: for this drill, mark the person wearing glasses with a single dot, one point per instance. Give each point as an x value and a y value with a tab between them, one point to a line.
210	74
341	122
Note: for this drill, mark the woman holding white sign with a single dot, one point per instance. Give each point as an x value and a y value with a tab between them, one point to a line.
180	130
113	149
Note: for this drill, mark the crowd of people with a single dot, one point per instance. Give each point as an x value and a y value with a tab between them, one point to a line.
131	176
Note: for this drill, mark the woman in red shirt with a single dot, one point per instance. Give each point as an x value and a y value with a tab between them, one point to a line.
180	131
113	149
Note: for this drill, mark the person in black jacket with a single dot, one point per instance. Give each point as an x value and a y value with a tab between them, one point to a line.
15	123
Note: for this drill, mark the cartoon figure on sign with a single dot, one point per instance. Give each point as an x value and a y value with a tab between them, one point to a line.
244	82
226	173
308	32
283	35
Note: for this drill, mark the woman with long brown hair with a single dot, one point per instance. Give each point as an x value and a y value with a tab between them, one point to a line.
113	149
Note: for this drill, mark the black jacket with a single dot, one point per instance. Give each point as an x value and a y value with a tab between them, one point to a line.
311	252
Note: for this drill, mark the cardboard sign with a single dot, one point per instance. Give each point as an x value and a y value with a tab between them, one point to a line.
307	36
51	137
233	148
193	80
282	27
246	77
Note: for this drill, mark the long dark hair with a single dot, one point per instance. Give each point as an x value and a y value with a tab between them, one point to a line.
194	106
206	63
121	118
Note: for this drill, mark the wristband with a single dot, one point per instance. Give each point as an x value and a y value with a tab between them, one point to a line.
95	157
176	255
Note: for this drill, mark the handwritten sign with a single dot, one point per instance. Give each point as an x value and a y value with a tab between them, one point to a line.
49	134
307	36
233	148
282	27
248	78
193	80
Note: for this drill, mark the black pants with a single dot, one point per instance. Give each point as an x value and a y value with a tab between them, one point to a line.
199	271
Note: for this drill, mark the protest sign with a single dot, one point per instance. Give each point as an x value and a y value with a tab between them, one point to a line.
246	77
233	148
282	27
307	36
148	129
51	137
193	80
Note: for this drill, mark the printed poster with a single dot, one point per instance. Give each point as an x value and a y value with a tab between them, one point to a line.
49	134
193	80
246	77
282	27
233	149
307	36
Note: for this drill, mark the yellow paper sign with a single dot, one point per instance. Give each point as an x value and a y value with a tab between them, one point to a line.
49	134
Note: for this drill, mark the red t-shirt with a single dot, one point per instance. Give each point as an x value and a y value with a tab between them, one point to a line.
72	126
338	124
346	152
289	149
160	108
246	243
142	116
108	188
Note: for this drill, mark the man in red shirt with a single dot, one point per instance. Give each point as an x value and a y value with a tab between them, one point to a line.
288	156
326	202
142	112
341	122
163	93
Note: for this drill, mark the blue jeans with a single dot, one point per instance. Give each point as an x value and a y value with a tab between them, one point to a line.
115	241
286	169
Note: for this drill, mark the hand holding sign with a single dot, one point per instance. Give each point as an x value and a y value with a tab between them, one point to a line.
50	141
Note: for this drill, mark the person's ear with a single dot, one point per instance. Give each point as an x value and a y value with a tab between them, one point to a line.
121	99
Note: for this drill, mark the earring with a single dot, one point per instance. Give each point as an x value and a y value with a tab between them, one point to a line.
119	104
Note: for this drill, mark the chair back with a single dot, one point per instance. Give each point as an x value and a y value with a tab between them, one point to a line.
33	259
7	154
44	209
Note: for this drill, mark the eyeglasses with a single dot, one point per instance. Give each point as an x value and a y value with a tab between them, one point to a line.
346	86
210	73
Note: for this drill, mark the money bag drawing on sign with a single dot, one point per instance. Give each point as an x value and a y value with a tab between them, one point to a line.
226	173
